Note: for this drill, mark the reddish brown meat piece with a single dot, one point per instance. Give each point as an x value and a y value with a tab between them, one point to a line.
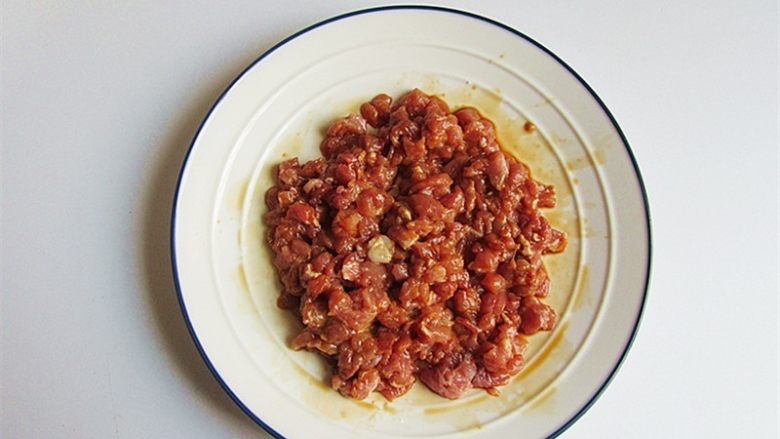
413	249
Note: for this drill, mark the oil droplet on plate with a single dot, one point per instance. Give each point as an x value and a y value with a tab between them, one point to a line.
545	400
580	290
241	277
540	357
240	194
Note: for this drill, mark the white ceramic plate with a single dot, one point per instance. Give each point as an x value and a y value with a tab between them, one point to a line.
279	107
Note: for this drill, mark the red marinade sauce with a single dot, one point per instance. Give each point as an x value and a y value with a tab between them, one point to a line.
413	250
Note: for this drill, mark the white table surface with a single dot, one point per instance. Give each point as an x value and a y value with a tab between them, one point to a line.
100	101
